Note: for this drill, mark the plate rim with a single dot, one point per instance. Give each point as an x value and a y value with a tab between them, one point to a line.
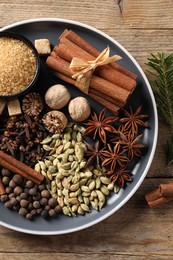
147	167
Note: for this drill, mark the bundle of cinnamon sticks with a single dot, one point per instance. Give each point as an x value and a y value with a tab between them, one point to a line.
160	195
110	85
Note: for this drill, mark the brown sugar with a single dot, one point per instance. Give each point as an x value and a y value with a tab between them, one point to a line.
17	65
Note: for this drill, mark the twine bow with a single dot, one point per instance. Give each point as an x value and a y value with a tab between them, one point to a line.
83	70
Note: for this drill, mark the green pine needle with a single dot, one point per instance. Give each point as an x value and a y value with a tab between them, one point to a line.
161	66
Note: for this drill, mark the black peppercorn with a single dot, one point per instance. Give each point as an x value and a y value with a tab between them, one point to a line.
5	172
58	208
5	180
45	194
8	190
36	204
29	216
52	202
33	212
12	184
43	201
52	213
33	191
24	203
18	190
11	195
17	179
42	187
13	201
7	204
23	211
29	184
23	195
44	214
4	198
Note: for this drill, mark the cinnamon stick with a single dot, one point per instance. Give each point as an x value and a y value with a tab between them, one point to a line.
162	200
2	189
67	50
166	189
110	99
20	168
96	95
75	38
160	195
104	102
102	85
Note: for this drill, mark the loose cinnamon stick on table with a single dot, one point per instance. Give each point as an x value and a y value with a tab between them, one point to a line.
166	189
160	195
67	50
20	168
75	38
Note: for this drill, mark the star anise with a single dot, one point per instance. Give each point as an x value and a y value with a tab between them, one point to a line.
99	125
114	157
115	137
94	154
131	145
121	176
132	121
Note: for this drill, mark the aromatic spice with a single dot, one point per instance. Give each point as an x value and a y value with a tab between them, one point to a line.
23	199
21	137
17	65
133	120
32	104
99	125
76	186
121	147
57	96
55	121
79	109
94	154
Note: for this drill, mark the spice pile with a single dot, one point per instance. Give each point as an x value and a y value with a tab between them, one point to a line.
17	65
50	164
27	198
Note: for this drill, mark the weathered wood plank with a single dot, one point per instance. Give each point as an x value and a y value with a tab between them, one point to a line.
87	256
102	14
147	14
95	12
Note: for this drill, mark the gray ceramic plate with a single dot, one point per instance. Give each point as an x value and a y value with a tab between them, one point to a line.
51	29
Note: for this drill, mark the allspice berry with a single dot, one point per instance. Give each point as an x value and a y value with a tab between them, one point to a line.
79	109
57	96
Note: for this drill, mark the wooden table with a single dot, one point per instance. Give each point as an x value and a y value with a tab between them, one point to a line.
135	231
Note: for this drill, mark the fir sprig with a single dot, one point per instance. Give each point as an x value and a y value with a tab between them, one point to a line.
161	66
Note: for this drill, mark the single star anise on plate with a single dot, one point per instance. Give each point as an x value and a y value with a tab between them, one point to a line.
100	125
133	120
121	176
131	145
114	157
94	154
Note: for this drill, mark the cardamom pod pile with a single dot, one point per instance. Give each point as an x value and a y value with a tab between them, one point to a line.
77	189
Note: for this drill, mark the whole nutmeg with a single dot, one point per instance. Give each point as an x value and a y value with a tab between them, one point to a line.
55	121
57	96
79	109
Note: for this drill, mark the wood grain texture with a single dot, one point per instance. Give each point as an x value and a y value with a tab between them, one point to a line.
135	231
